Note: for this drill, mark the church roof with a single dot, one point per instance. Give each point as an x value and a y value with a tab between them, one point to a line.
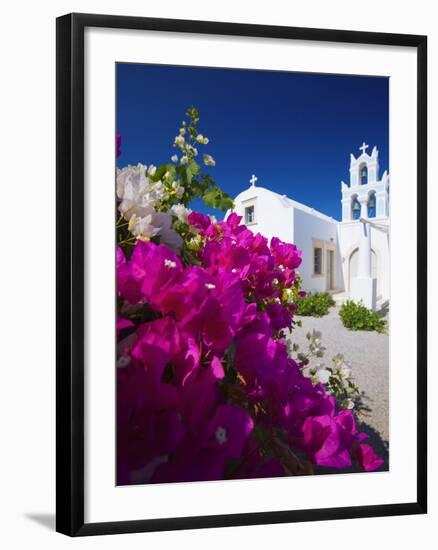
287	202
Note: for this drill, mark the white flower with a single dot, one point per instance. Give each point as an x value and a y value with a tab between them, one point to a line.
167	235
184	159
137	193
174	158
307	371
345	372
315	346
132	188
143	227
179	140
221	435
180	212
182	131
179	191
288	295
201	139
169	263
131	178
209	160
348	403
151	170
322	375
155	224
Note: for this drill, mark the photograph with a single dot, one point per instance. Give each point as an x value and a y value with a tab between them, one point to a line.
226	301
252	307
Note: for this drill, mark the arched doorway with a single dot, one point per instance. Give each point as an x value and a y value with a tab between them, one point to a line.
352	268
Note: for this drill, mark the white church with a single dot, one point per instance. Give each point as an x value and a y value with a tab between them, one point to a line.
348	258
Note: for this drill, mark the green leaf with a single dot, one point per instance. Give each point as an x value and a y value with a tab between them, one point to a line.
218	199
226	203
161	170
211	197
194	167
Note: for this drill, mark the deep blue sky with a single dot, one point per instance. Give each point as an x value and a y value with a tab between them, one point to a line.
295	131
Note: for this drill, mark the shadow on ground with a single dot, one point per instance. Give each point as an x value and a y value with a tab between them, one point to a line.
363	409
46	520
362	406
377	443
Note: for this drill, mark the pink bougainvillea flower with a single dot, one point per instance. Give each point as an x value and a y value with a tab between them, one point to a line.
367	458
285	254
279	316
158	343
199	221
202	332
122	271
324	442
158	267
225	256
258	356
209	326
233	221
185	295
228	431
216	320
148	420
150	272
223	438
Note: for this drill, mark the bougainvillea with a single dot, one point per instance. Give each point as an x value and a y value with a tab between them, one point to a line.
206	388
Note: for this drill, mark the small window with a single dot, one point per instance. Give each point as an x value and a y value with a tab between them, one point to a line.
317	261
249	214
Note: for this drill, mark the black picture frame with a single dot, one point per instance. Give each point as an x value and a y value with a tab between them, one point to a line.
70	273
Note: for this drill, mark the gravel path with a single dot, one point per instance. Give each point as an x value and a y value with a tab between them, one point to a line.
368	353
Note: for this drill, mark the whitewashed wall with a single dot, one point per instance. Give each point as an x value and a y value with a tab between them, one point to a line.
272	218
349	238
306	228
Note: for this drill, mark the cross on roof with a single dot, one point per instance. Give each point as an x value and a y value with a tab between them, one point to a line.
364	147
253	180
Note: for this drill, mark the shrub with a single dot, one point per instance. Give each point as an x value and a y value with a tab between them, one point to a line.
315	305
355	316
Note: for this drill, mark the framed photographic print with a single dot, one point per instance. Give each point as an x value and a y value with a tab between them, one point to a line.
241	274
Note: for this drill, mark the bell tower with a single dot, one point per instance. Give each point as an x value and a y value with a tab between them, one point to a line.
366	196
